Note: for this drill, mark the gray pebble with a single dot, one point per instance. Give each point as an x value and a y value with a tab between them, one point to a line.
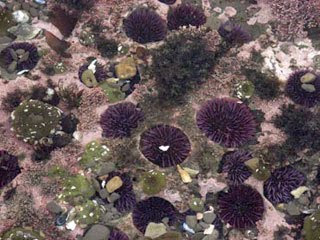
213	236
209	217
106	168
103	193
114	197
191	221
33	12
25	6
54	207
293	209
97	232
204	225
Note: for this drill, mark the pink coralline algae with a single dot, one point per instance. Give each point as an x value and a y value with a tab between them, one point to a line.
294	17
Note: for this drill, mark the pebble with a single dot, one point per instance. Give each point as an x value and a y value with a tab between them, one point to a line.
20	16
103	193
204	225
113	184
54	207
308	87
191	221
33	12
107	168
97	232
209	217
293	209
114	197
155	230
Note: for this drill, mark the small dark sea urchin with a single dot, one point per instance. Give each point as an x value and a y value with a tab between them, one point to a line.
118	235
233	33
144	25
277	188
232	163
226	121
19	56
185	15
119	120
127	198
165	145
9	168
303	87
241	206
152	209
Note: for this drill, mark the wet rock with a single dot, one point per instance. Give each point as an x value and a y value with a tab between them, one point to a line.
114	184
191	221
97	232
106	168
126	68
103	193
209	217
196	204
155	230
54	207
114	197
293	209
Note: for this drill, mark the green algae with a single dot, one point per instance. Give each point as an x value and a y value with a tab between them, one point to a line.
89	79
196	204
153	182
244	90
259	170
76	189
88	213
113	93
21	234
311	226
34	120
57	171
94	155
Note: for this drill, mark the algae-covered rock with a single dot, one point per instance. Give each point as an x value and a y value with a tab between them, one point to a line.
88	213
22	234
126	69
196	204
311	226
113	93
34	120
244	90
94	155
258	169
153	182
168	236
77	189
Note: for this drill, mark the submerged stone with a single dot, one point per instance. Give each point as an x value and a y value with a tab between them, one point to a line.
196	204
88	213
126	69
155	230
24	31
97	232
113	184
153	182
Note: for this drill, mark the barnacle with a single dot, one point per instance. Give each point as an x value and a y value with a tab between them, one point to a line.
34	121
9	168
185	15
143	25
19	56
153	209
165	145
120	119
241	206
226	121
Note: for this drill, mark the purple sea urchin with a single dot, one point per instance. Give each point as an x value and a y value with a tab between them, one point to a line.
19	56
232	163
127	198
241	206
233	33
277	188
9	168
89	77
185	15
118	235
226	121
119	120
152	209
169	2
144	25
303	87
165	145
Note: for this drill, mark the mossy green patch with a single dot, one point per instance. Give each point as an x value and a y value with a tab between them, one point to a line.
311	226
113	93
153	182
94	155
76	189
88	213
22	234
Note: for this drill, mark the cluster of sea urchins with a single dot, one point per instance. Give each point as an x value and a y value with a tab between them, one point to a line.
185	15
19	56
144	25
277	188
165	145
241	206
153	209
120	119
303	87
226	121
